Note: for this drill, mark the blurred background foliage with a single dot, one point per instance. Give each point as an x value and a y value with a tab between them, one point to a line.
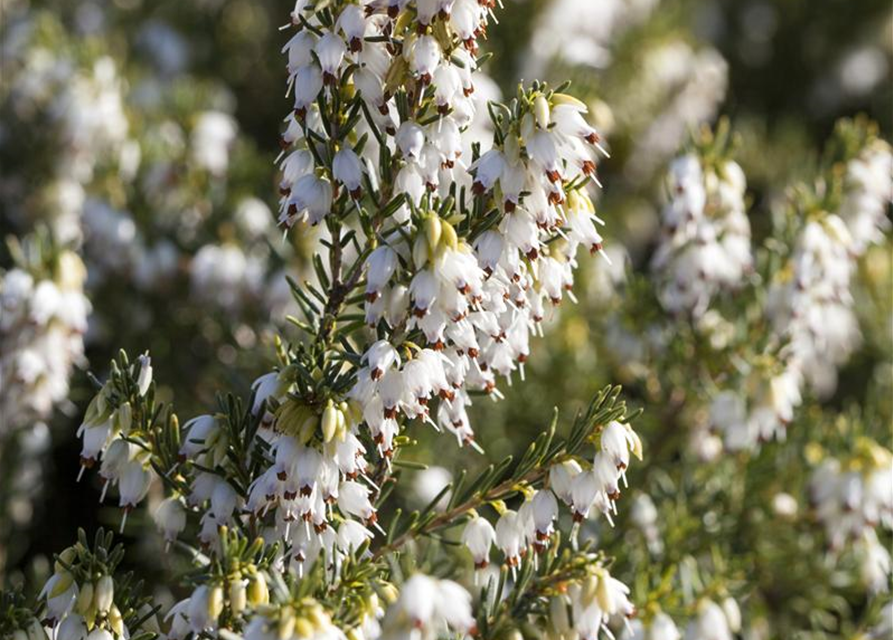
782	71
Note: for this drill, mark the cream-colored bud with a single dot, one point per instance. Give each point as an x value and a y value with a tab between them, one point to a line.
116	621
85	599
329	422
589	591
512	149
448	236
257	590
304	628
433	230
541	111
420	251
104	595
341	427
389	592
123	418
215	602
238	595
604	596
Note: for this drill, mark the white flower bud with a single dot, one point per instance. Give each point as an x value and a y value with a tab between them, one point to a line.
308	84
104	594
410	139
426	57
353	499
380	357
145	375
479	536
348	170
380	266
170	518
330	50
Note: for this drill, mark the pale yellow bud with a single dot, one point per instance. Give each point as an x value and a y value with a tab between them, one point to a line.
238	596
637	442
257	590
304	628
123	418
341	427
72	272
85	599
329	422
589	590
215	602
389	592
512	149
104	595
433	230
116	621
541	111
420	251
448	236
604	596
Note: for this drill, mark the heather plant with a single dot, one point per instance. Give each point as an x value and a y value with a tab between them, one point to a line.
408	467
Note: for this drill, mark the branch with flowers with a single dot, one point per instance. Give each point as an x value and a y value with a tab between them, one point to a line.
444	230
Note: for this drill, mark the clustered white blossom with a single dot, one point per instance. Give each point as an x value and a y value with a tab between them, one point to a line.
761	410
853	500
587	607
85	108
87	111
811	306
868	193
105	437
43	317
428	608
474	303
705	244
81	609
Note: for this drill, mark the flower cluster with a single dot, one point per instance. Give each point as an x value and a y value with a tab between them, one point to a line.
85	600
868	191
810	301
761	410
44	317
852	500
428	608
467	252
85	107
813	306
705	240
110	435
437	256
